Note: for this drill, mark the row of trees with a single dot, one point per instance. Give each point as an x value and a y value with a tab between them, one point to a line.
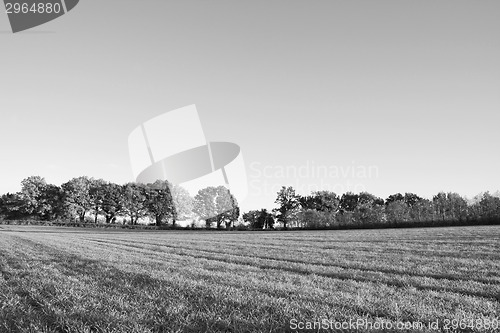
81	197
162	203
324	209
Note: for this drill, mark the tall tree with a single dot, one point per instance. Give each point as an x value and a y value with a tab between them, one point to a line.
228	207
457	206
53	200
411	199
441	205
97	195
397	211
12	206
369	209
183	202
32	192
77	196
216	204
266	219
288	203
159	201
135	201
489	207
394	197
252	217
348	202
113	201
259	219
323	201
422	211
204	204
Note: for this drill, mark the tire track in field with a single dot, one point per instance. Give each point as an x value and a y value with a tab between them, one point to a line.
385	251
56	249
317	263
359	311
397	282
491	279
75	265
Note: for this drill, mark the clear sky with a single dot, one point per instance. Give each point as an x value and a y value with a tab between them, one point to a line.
386	96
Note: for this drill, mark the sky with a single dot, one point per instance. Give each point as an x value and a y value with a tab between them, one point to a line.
378	96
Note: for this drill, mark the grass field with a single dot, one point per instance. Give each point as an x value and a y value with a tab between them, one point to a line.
76	280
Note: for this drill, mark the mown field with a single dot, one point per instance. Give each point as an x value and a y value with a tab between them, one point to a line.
75	280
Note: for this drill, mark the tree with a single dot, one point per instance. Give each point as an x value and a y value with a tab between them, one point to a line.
228	206
41	200
77	197
411	199
314	219
422	211
348	202
489	207
397	208
97	195
259	219
135	201
11	206
369	209
32	191
457	207
266	218
252	217
113	201
216	204
440	203
450	206
394	197
183	202
53	200
323	201
159	201
288	203
204	204
397	211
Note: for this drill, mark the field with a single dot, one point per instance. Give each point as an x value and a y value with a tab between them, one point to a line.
75	280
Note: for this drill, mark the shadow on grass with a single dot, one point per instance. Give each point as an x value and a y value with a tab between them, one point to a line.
340	275
112	300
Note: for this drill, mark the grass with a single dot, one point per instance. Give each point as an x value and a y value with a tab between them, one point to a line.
75	280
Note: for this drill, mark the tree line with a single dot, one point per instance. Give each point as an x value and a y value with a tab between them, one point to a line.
89	200
80	198
324	209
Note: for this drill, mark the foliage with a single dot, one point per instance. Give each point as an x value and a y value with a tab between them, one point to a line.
259	219
135	201
183	202
348	202
216	204
113	201
323	201
289	205
164	202
159	201
77	196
